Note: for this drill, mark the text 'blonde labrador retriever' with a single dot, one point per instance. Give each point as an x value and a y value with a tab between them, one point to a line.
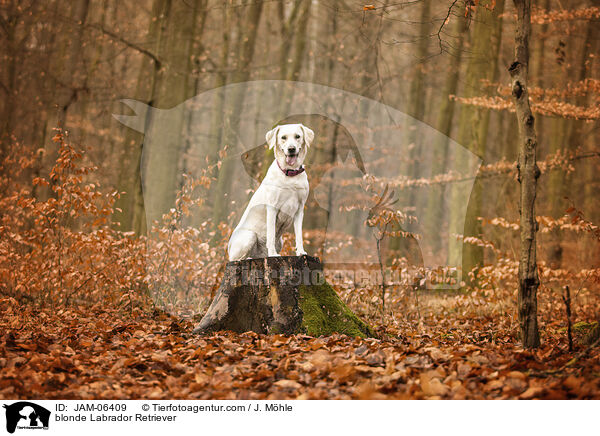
279	200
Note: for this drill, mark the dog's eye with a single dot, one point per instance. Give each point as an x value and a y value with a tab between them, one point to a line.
284	137
297	136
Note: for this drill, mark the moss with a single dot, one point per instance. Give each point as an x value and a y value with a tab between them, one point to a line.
325	313
593	335
584	332
583	326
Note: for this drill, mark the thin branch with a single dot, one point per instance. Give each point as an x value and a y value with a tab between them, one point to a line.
439	32
127	43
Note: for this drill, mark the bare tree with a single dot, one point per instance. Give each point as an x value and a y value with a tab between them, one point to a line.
528	173
473	124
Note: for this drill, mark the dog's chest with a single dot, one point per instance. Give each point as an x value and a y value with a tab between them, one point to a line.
298	189
286	194
288	199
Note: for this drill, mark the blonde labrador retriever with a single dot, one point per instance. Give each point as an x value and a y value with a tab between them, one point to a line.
279	200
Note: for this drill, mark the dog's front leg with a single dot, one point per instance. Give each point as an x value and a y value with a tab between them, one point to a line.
271	218
298	232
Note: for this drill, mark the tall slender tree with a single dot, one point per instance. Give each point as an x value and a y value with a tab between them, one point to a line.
567	136
175	84
70	82
166	81
130	213
473	123
417	100
245	45
434	217
528	173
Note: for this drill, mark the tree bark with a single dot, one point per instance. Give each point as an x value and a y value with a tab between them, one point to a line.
293	72
473	125
434	216
567	136
164	84
130	212
286	35
245	45
174	85
537	64
528	173
417	99
72	50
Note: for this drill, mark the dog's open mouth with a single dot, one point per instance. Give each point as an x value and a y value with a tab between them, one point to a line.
291	159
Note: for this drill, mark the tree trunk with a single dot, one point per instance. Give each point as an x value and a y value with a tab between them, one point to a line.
568	137
174	85
591	182
245	48
218	116
473	125
69	96
565	136
293	72
286	36
286	295
70	64
170	82
528	173
473	255
130	212
537	64
416	103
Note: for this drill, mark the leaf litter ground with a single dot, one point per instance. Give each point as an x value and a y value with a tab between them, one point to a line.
100	353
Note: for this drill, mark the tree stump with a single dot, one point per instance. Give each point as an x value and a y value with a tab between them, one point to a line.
285	294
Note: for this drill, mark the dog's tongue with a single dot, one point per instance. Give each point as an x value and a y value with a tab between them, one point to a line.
290	160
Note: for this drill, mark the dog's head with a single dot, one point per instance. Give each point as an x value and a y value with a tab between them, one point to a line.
290	143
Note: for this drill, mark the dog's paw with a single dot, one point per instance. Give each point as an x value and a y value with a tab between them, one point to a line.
274	254
300	253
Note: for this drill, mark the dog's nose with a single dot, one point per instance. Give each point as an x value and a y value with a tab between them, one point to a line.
291	149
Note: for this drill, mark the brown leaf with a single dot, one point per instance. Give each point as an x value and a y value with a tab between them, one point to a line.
288	384
533	392
431	385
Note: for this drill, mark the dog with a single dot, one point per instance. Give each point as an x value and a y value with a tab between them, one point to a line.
279	201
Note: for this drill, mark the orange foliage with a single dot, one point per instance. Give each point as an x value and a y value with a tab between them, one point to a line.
61	249
548	107
544	17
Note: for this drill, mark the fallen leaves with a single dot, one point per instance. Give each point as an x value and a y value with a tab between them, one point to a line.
105	354
288	384
432	385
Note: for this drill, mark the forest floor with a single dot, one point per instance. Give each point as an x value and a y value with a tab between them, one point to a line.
103	353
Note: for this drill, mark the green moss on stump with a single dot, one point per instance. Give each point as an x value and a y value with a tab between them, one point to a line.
324	313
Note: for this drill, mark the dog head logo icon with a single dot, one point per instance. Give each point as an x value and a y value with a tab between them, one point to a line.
26	415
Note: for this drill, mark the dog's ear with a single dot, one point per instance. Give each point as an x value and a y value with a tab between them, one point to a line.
271	137
309	135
